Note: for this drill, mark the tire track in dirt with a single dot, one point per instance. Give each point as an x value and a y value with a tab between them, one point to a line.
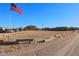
66	50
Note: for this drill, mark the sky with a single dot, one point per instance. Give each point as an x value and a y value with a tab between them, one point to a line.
40	15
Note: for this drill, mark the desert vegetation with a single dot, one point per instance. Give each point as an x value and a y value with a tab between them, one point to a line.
32	27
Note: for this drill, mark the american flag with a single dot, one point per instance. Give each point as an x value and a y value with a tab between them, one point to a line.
15	8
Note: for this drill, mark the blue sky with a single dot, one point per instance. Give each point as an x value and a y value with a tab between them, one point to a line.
40	14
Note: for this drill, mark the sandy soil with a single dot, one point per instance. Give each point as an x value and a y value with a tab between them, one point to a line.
56	43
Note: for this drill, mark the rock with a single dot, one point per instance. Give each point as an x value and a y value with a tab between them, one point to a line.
57	36
64	34
42	41
47	40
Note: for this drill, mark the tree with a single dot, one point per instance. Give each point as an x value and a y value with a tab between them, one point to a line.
61	28
20	29
31	27
1	30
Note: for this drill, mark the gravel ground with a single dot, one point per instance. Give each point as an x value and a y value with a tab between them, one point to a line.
61	45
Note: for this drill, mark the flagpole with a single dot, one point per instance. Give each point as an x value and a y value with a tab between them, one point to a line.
9	21
9	24
12	26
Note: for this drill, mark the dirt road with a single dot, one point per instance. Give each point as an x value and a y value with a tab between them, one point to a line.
65	47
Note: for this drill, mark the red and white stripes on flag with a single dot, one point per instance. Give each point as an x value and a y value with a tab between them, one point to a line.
15	8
